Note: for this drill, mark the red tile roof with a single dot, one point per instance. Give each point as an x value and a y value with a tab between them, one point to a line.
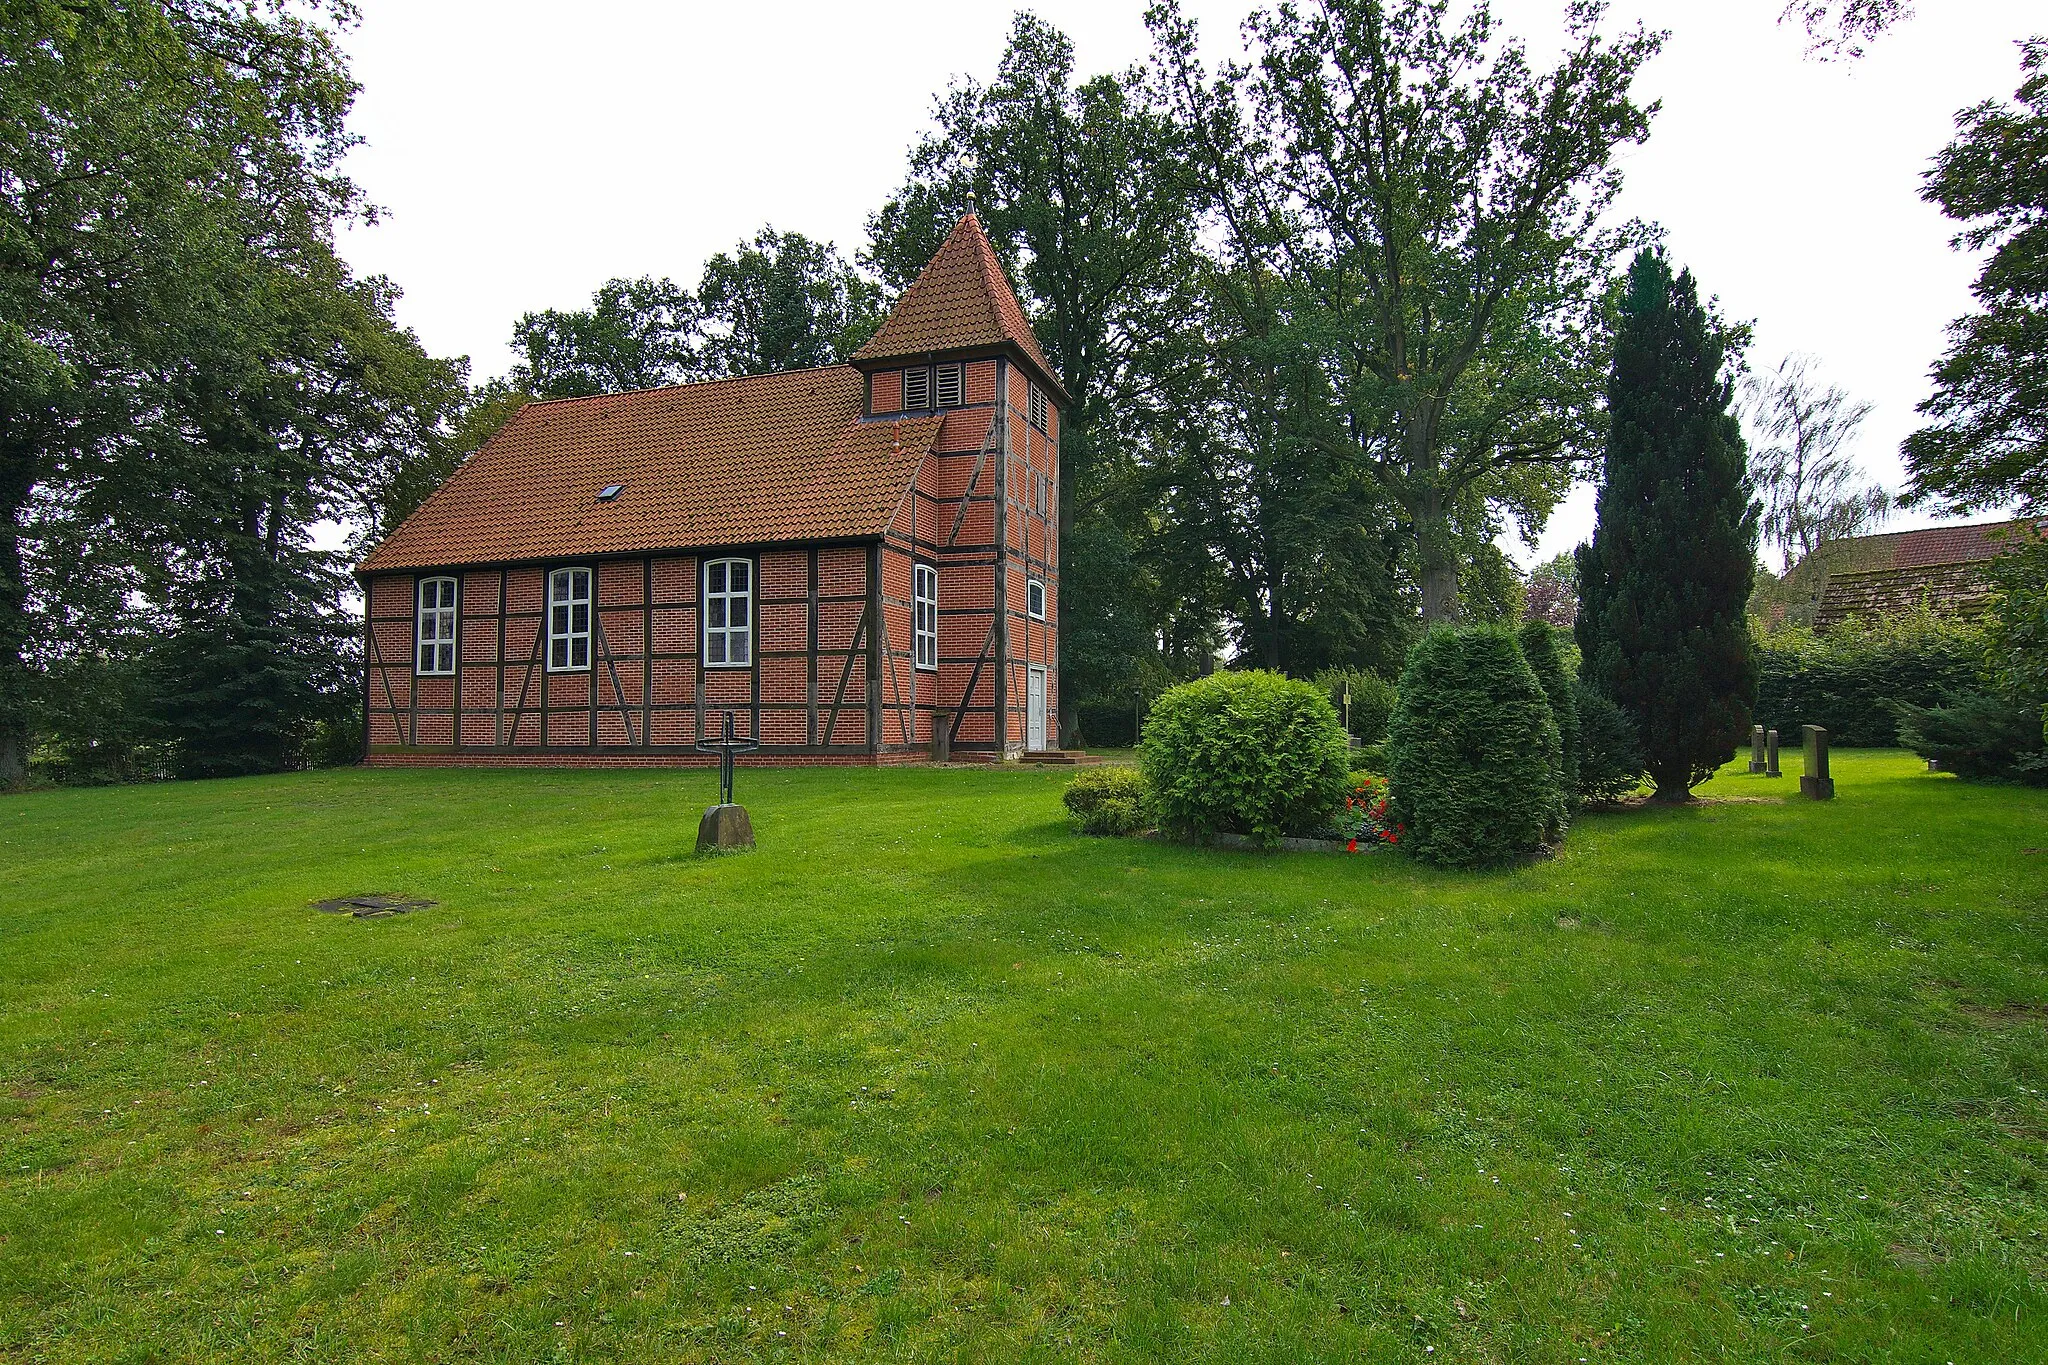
1971	543
962	300
777	457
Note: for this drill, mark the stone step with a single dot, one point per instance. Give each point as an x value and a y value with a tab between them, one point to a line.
1057	756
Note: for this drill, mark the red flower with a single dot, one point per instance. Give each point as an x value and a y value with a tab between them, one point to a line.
1351	847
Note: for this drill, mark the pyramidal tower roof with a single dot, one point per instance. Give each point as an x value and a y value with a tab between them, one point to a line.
960	302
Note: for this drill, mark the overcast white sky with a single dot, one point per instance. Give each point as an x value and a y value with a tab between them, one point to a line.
526	152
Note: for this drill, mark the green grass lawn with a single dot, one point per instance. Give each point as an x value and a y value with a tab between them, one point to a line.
927	1077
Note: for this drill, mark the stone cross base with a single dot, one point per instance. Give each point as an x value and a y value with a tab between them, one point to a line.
725	827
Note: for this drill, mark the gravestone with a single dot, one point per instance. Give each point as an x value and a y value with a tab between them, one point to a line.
1756	748
725	825
1771	768
1815	782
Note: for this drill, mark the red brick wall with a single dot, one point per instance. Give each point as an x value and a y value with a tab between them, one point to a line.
806	692
804	696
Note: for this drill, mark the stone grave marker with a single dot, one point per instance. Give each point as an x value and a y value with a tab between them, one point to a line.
1756	748
725	825
1771	768
1815	781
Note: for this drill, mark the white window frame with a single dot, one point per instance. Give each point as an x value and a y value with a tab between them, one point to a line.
1034	598
924	616
945	377
434	626
567	644
924	386
721	603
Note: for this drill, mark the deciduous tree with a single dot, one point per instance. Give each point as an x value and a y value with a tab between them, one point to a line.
1436	212
1986	441
781	302
636	334
1802	459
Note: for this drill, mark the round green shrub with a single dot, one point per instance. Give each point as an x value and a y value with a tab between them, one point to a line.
1372	700
1610	756
1541	646
1244	753
1108	800
1473	751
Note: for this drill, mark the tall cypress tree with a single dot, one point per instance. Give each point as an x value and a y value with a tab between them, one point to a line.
1666	581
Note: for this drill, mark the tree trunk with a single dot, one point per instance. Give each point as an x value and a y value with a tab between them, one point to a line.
17	477
1670	789
1436	560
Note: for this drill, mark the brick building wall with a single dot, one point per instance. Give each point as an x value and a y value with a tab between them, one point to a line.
822	683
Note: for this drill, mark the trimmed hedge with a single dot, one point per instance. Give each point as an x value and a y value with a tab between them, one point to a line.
1988	739
1849	679
1543	649
1372	700
1244	753
1473	753
1108	800
1610	755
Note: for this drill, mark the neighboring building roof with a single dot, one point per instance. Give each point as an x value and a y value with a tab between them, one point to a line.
961	301
1972	543
776	457
1894	573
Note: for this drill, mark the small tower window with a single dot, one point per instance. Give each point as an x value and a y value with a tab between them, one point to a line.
1034	599
917	390
1034	404
949	386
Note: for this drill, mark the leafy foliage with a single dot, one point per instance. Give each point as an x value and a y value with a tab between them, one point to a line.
1406	205
1108	800
1552	595
1610	754
1986	442
1546	655
636	334
1838	29
1473	753
190	380
777	302
1371	704
1250	753
1849	679
1666	580
1979	737
2016	624
781	302
1802	463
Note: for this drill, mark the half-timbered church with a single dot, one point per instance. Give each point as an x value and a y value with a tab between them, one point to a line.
859	561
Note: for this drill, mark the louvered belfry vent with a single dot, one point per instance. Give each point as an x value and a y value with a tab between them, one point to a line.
917	390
